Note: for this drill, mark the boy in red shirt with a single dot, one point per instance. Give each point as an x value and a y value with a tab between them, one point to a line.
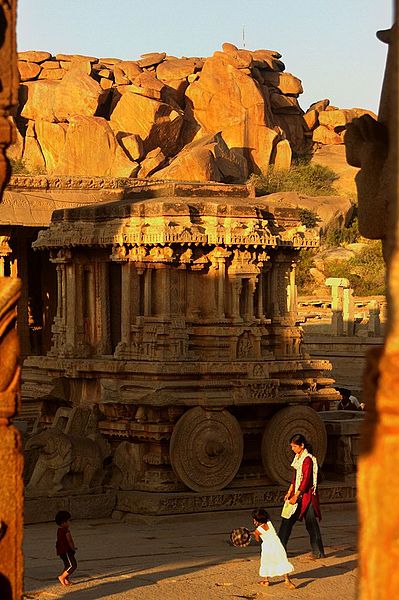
65	546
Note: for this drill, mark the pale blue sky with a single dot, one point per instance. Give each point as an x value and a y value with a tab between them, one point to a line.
329	44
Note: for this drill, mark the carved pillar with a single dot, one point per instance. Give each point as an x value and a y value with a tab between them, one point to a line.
220	256
59	291
135	291
165	275
11	487
338	284
292	293
283	286
126	303
102	312
220	288
374	323
235	286
249	300
348	312
70	308
274	290
60	259
147	292
193	284
374	147
280	277
259	300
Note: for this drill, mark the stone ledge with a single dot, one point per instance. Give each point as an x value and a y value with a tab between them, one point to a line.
76	182
44	509
162	503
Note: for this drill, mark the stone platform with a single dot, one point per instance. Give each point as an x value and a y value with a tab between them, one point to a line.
127	505
88	506
134	502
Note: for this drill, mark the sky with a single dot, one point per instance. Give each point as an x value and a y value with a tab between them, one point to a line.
330	45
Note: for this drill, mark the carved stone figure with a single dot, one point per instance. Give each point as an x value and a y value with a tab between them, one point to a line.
128	465
367	147
11	484
61	455
373	146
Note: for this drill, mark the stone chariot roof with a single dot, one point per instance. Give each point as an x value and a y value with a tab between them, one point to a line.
178	213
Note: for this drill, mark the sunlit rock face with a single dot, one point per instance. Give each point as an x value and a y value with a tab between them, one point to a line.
153	109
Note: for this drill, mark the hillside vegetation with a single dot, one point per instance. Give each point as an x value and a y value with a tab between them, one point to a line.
364	267
303	178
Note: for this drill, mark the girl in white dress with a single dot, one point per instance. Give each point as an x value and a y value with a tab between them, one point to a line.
273	557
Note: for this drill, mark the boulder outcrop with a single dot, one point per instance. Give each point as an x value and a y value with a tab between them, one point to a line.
194	118
327	124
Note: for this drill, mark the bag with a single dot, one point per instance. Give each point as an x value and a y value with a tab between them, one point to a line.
288	509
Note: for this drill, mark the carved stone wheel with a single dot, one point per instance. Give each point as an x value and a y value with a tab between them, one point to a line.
277	455
206	449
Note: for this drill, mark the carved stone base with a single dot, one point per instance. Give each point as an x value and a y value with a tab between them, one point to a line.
88	506
147	503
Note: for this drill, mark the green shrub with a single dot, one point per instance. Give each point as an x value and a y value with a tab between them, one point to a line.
365	271
309	218
304	178
18	167
336	236
304	280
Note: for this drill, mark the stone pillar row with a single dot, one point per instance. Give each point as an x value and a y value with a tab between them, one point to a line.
239	290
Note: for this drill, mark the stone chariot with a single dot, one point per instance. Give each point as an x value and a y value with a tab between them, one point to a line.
176	317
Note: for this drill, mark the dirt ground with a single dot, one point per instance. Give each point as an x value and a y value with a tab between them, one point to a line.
189	557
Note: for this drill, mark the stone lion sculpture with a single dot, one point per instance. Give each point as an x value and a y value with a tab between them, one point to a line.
66	462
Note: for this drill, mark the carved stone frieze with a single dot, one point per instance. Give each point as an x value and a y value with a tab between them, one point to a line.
67	463
76	182
119	253
179	218
61	256
246	346
255	392
230	499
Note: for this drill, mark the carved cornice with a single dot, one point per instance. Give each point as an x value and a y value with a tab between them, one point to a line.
47	182
174	213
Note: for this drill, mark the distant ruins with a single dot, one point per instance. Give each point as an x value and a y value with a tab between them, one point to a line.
343	329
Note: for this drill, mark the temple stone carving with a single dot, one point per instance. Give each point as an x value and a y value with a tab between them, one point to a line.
66	463
206	449
373	146
11	486
176	318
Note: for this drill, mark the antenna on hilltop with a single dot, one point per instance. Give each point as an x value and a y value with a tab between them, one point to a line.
243	36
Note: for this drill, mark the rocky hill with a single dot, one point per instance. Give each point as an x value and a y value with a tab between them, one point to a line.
219	118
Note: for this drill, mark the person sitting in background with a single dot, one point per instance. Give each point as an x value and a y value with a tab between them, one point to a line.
348	401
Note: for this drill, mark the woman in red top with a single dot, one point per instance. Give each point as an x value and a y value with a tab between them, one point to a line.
303	491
